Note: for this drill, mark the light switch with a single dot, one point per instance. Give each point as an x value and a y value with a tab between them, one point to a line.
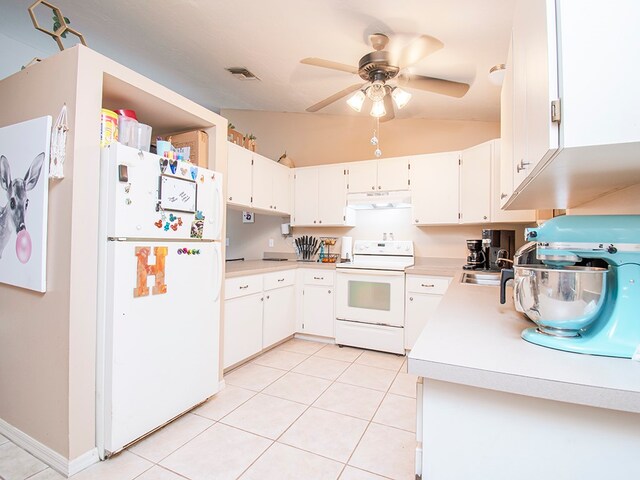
271	242
227	242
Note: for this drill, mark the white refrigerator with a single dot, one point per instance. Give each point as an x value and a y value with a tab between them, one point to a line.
159	293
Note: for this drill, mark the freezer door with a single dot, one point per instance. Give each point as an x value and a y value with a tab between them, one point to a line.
161	334
149	197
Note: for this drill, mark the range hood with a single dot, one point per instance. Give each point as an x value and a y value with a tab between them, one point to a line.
379	200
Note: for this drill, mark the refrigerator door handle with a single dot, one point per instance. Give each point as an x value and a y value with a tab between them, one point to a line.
218	271
219	206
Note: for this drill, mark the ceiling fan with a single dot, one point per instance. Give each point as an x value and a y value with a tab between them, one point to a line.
380	66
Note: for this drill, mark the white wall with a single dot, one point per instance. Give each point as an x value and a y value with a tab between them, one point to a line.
251	240
15	54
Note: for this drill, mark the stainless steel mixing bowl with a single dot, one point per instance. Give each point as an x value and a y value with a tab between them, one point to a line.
561	301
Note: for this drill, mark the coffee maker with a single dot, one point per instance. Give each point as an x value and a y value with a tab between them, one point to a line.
476	258
489	252
497	245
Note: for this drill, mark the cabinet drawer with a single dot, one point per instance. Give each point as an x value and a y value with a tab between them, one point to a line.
318	277
434	285
279	279
241	286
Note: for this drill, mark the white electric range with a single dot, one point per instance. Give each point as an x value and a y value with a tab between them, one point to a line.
370	295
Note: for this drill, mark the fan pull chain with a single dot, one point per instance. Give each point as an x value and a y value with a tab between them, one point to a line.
375	140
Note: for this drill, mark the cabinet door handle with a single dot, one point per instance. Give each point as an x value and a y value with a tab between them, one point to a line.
268	297
427	285
318	278
522	165
242	287
329	291
314	221
485	217
373	188
281	279
411	299
262	299
230	198
417	221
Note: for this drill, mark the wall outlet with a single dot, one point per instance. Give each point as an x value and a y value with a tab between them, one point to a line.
226	242
271	242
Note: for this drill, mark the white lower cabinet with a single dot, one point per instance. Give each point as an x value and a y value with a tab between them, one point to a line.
423	295
317	299
259	311
242	319
279	315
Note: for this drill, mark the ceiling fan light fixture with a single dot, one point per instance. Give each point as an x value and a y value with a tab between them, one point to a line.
400	97
378	110
376	91
496	73
356	100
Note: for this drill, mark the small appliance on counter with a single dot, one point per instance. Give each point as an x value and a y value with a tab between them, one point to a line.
476	257
492	252
585	297
497	246
346	249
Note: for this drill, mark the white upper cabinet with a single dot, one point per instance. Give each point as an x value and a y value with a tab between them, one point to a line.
305	203
475	184
363	176
238	175
575	121
383	175
435	188
257	182
271	187
320	196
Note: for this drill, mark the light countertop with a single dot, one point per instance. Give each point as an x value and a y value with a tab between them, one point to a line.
255	267
473	340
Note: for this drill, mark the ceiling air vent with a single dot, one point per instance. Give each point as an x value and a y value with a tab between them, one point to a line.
241	73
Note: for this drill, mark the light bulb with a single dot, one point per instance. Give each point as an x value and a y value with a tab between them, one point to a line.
400	97
356	100
374	139
377	152
378	110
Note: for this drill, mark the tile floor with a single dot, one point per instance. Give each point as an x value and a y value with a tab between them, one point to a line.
302	411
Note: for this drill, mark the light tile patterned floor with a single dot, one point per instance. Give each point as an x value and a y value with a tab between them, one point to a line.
302	411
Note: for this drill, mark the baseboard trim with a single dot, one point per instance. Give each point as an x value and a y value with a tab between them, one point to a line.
47	455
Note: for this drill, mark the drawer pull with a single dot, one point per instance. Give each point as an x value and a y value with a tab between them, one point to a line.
411	299
242	287
318	278
427	285
281	279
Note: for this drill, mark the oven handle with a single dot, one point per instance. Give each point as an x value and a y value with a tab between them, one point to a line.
381	273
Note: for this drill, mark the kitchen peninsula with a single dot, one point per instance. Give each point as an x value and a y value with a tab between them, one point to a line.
511	409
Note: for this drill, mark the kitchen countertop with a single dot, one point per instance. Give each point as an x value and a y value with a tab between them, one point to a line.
475	341
256	267
436	266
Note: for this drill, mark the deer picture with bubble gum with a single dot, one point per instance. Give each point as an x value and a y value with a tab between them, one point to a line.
12	215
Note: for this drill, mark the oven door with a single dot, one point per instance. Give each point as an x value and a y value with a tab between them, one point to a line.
370	296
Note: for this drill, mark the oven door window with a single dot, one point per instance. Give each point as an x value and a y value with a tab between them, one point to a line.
370	295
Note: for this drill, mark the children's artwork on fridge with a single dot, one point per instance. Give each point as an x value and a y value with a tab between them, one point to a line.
24	162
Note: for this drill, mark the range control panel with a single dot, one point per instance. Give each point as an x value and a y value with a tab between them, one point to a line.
393	247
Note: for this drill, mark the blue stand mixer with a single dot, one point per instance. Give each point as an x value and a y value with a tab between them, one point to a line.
608	322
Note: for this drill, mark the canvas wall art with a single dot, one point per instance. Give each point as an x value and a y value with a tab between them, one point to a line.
24	193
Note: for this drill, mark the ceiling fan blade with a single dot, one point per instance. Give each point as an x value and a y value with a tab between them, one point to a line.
336	96
319	62
389	107
418	49
435	85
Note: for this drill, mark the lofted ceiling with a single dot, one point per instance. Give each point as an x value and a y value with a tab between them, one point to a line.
187	44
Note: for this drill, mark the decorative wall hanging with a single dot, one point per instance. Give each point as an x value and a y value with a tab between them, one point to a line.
60	27
58	145
24	148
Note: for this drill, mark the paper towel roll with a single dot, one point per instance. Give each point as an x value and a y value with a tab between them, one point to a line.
346	247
